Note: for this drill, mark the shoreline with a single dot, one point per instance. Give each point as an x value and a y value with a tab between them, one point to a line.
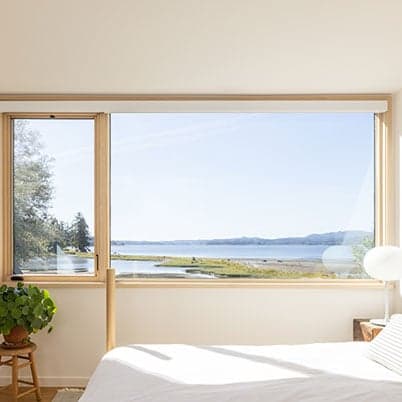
240	267
144	266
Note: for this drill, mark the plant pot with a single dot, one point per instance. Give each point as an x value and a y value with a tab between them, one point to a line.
17	336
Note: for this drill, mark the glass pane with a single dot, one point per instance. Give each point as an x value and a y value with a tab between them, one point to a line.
53	196
242	195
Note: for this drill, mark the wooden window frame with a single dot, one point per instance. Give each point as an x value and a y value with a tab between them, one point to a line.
101	197
386	194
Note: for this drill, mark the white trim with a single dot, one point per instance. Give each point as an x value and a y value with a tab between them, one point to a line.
188	106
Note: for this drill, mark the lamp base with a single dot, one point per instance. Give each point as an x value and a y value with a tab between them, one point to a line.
382	322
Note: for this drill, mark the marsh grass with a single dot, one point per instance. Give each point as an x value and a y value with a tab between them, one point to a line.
234	269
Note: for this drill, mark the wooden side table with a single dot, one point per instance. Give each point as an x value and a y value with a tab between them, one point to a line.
370	331
357	331
23	353
363	330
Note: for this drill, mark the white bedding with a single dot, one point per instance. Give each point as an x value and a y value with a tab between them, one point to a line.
299	373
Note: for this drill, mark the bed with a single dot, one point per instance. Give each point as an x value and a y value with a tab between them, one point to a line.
330	372
299	373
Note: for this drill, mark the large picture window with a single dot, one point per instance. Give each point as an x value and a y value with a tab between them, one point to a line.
242	195
190	191
53	196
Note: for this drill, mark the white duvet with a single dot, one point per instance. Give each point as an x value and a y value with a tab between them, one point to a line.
299	373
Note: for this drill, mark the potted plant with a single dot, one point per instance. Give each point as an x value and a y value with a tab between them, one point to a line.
23	311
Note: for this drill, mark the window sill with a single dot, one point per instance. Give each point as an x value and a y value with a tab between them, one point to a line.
260	283
213	284
59	284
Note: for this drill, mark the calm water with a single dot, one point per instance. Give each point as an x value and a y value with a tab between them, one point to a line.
64	264
231	251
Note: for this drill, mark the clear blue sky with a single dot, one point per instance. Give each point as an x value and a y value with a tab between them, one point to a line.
190	176
218	175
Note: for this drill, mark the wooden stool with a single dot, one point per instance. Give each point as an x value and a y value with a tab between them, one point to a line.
24	353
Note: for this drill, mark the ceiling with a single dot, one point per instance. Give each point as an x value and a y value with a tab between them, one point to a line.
201	46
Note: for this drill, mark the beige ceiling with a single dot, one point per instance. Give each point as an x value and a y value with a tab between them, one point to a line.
200	46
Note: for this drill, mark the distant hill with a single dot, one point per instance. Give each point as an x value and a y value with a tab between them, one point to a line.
330	239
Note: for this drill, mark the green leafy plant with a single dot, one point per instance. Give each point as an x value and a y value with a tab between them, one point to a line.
29	307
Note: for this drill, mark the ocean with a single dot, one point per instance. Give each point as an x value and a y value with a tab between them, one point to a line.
234	251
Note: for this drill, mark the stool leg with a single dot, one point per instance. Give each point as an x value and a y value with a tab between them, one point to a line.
14	384
35	377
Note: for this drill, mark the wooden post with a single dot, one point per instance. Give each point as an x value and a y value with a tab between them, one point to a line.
110	309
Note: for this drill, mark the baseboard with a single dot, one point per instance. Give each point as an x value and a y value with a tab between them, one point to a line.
52	381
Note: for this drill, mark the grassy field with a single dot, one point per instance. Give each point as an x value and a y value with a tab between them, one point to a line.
235	269
225	268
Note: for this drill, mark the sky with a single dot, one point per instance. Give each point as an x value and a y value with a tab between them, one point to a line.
220	175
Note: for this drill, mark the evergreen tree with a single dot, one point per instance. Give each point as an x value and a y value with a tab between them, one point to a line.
80	237
59	234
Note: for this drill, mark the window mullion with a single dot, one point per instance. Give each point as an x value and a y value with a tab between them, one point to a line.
102	195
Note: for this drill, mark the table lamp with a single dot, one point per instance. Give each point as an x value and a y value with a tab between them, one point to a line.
384	263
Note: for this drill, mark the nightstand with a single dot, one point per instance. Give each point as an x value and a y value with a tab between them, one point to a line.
363	330
370	331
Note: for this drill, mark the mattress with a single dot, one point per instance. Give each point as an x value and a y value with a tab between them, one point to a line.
292	373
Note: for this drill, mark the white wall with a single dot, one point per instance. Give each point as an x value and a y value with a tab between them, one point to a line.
68	355
241	316
397	128
165	46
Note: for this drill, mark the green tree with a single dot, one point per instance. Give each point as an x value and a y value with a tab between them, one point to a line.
80	233
59	234
32	194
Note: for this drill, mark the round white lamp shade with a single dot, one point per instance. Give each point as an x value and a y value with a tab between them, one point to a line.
384	263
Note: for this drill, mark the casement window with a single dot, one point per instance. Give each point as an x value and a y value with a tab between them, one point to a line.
51	209
207	195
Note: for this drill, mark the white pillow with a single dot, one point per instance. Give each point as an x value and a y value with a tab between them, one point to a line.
386	347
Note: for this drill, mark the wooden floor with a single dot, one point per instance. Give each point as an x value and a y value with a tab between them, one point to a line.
47	395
